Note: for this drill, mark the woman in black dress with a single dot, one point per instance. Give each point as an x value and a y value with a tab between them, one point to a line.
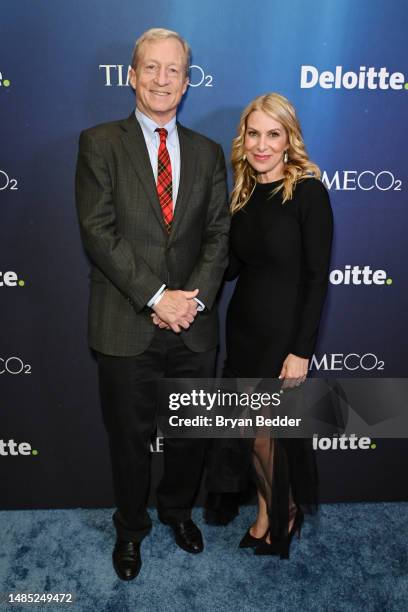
280	249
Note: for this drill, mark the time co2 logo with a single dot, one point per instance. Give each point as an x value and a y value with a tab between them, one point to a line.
352	361
14	366
365	180
156	445
117	75
6	182
199	78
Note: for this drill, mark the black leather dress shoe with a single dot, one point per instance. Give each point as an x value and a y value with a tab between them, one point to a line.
221	508
126	559
187	536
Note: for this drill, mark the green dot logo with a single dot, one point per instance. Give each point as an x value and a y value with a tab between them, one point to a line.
6	83
406	85
34	452
21	283
389	281
373	445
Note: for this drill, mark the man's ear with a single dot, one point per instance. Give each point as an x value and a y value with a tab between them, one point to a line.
186	82
132	77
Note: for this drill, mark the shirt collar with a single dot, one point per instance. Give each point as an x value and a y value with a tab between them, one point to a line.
149	126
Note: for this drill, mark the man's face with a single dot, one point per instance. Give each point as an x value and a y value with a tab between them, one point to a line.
160	79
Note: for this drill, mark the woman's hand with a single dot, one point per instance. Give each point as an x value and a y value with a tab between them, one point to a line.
294	370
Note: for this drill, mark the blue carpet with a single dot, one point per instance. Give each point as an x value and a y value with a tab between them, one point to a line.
350	557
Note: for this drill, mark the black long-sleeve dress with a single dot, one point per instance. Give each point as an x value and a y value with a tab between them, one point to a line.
280	253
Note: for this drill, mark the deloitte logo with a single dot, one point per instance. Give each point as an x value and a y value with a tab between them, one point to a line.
12	448
343	442
366	78
356	275
10	279
4	82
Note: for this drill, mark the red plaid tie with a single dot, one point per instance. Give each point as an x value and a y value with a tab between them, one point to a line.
164	180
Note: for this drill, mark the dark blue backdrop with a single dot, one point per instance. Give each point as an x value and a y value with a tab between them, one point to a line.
63	68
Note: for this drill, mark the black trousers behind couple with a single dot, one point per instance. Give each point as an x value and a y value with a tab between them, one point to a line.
129	407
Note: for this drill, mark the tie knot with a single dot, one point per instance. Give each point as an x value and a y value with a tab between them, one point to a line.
162	133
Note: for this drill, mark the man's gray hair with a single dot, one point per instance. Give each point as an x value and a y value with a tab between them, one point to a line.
155	34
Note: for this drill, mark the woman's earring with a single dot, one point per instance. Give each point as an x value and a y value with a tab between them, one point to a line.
244	157
285	157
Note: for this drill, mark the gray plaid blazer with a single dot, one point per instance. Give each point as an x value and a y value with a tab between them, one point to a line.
130	250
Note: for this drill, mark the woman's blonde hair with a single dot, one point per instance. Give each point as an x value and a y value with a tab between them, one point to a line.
298	164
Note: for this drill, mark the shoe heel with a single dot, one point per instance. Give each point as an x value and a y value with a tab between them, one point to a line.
284	553
249	541
300	525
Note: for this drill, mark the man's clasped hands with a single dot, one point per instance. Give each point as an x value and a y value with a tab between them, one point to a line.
176	309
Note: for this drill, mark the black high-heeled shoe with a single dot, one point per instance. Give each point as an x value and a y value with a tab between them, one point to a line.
282	547
249	541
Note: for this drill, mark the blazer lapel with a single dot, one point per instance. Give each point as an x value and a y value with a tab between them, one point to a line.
187	172
134	143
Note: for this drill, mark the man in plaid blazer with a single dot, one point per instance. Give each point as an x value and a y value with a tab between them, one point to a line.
156	269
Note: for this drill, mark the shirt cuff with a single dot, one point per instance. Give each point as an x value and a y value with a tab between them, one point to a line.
157	297
200	305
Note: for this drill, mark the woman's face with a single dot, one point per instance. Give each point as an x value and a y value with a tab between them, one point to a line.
265	143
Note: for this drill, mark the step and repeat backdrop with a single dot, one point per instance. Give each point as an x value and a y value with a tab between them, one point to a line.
63	68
